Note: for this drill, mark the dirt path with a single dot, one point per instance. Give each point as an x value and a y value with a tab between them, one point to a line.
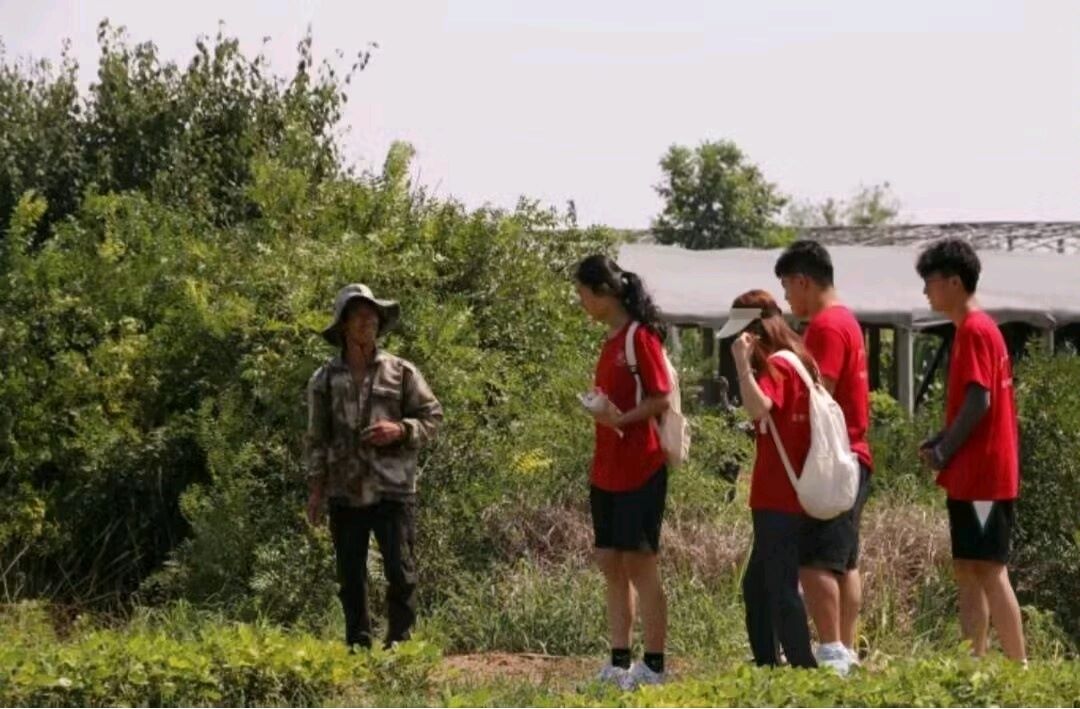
532	667
549	670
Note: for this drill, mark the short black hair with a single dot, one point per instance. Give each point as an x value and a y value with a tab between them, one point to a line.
948	257
806	257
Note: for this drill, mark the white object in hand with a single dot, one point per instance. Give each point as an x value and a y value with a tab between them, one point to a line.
597	402
594	401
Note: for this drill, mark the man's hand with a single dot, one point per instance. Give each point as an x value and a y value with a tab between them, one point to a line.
926	455
315	507
383	432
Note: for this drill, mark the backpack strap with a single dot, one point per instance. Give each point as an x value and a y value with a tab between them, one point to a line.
631	358
796	364
783	453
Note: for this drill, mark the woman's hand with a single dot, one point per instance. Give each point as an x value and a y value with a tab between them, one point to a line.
608	416
753	398
741	349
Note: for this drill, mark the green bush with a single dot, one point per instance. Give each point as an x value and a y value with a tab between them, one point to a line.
946	680
1047	558
230	665
159	327
720	448
894	438
189	136
182	656
293	581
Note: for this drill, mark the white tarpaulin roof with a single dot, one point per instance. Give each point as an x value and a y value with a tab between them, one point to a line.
878	283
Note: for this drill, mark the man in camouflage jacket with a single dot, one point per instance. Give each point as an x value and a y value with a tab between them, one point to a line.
369	413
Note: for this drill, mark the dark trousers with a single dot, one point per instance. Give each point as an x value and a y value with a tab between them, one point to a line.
394	525
774	610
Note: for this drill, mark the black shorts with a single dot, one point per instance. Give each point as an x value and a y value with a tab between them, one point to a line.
988	539
630	521
833	544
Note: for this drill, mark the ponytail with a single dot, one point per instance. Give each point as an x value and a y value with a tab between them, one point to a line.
639	304
603	276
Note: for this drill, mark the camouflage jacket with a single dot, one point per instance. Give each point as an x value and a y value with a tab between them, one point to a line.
338	410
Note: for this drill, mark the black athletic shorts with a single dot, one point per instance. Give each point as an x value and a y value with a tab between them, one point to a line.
630	521
833	544
981	531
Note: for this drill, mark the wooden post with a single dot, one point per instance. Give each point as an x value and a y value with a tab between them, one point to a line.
904	351
931	370
708	348
726	368
873	356
1048	340
674	343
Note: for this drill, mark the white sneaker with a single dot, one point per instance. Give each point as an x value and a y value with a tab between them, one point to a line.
610	674
639	675
853	656
834	656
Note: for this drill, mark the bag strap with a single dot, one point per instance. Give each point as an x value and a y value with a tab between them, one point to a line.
796	364
771	425
631	359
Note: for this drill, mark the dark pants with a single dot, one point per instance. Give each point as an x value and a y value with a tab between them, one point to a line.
394	525
774	609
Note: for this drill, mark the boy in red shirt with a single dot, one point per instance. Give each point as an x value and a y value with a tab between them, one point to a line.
976	455
829	549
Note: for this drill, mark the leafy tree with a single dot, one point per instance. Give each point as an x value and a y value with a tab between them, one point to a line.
872	206
715	198
875	205
808	214
41	138
185	136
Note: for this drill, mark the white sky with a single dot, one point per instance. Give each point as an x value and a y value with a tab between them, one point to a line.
970	108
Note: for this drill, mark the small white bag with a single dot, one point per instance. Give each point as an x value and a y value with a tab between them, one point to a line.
673	428
829	482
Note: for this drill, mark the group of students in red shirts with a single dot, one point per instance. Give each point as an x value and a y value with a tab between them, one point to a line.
799	565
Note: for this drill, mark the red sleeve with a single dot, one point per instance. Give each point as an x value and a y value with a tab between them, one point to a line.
826	345
974	360
650	360
777	388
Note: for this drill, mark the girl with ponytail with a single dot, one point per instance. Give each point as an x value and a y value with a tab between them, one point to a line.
629	474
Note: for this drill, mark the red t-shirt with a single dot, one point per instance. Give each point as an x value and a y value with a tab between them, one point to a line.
835	340
770	488
986	467
627	462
